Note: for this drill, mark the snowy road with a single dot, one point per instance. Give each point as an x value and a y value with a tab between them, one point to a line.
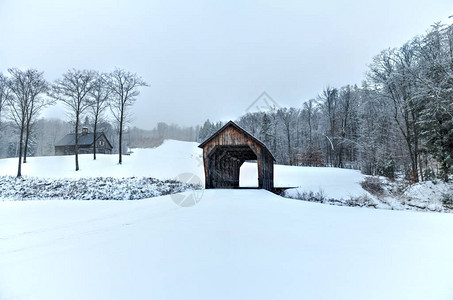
235	244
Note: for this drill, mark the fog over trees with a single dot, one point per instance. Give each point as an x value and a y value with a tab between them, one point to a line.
124	86
73	90
24	102
100	95
398	120
86	94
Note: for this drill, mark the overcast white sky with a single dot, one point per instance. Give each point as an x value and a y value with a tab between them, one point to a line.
211	59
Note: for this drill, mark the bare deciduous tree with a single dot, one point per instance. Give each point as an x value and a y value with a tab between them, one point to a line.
37	86
389	72
287	117
73	90
329	100
24	86
124	86
99	101
308	112
4	93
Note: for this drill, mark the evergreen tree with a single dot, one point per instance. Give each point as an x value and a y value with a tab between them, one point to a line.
205	131
265	131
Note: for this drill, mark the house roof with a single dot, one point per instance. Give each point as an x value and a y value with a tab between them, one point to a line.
231	123
85	139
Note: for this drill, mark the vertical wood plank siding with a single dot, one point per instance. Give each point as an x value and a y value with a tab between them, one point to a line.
225	152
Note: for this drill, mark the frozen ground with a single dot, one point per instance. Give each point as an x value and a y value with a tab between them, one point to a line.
334	182
164	162
397	194
97	188
174	157
235	244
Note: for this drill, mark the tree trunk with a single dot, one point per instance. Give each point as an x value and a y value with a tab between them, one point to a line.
19	167
76	143
343	133
413	174
415	136
445	169
408	135
420	167
94	136
27	134
120	148
288	136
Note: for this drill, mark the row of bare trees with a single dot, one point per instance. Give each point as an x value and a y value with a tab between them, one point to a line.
25	93
22	94
399	120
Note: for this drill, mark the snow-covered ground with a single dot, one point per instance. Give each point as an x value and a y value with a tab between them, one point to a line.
332	182
398	194
164	162
428	190
98	188
235	244
175	157
175	160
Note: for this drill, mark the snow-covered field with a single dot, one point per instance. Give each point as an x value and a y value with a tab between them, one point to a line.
234	244
164	162
333	182
98	188
175	157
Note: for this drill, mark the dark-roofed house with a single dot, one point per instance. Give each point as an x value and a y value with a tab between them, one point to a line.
66	146
226	150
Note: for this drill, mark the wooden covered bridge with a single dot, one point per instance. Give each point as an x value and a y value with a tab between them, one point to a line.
225	152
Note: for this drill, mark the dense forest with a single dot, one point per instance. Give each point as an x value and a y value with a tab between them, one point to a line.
398	121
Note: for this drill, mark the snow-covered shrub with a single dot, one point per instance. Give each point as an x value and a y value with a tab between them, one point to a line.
361	201
428	174
447	199
100	188
320	197
307	196
389	194
386	168
373	185
411	176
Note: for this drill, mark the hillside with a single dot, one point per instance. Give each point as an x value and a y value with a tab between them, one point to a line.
164	162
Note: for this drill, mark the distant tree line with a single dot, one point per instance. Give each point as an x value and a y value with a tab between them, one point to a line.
208	129
399	120
48	131
86	93
142	138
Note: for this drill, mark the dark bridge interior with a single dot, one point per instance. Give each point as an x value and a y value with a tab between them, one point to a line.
225	163
226	150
